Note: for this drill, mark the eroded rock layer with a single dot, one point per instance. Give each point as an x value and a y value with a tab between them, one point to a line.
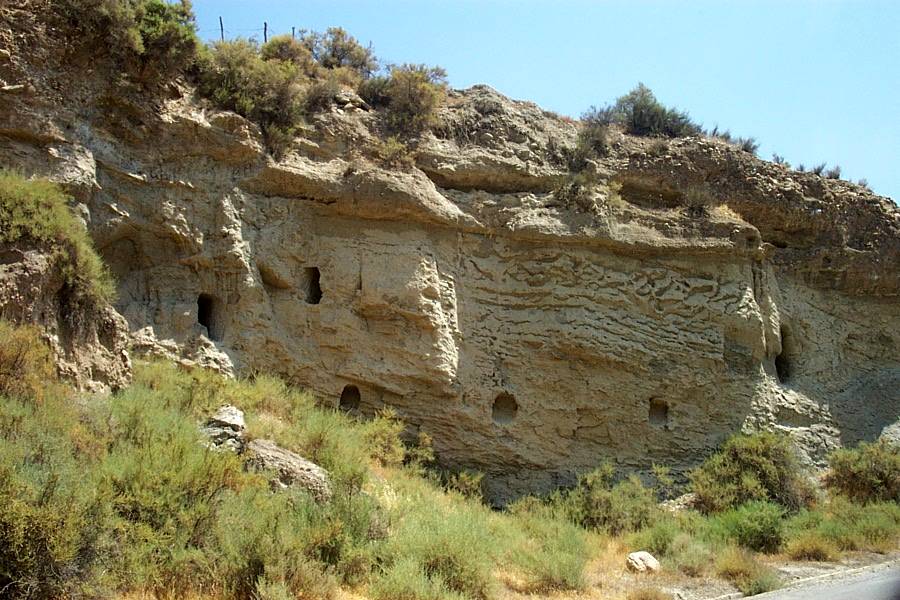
530	338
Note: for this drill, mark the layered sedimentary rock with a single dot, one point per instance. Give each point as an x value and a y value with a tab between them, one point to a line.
531	338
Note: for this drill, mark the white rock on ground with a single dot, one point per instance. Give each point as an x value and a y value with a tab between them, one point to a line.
642	562
225	428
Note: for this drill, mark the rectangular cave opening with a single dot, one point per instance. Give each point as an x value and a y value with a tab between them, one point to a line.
312	286
209	315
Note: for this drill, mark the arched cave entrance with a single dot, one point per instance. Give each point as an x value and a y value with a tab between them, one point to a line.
504	409
209	315
658	414
313	289
784	361
350	398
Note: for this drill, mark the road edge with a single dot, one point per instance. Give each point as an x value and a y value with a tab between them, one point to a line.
798	583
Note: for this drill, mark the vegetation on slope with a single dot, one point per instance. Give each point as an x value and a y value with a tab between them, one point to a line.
36	211
107	496
122	494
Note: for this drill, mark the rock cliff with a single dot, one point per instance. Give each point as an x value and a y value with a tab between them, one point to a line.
531	338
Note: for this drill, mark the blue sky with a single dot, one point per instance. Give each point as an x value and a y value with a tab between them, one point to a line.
813	80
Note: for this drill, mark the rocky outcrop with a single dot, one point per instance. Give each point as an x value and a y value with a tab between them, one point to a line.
642	562
88	338
290	469
531	338
225	429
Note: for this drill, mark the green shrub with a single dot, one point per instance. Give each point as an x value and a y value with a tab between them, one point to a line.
762	466
407	580
154	39
467	483
748	144
36	211
755	525
336	49
393	153
867	473
595	503
414	94
642	114
383	437
576	190
286	48
234	75
320	94
591	142
53	520
657	538
690	556
376	90
451	548
550	552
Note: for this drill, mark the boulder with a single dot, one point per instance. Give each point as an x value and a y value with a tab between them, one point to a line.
291	468
225	428
642	562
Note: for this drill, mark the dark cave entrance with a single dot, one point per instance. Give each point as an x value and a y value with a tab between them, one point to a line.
350	398
208	315
313	288
659	413
784	361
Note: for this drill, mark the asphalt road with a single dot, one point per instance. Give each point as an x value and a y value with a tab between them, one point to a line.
883	584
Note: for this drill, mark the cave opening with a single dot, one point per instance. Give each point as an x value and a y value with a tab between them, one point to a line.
783	362
313	288
350	398
208	315
659	413
504	409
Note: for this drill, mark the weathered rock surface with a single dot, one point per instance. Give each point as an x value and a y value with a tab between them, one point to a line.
225	428
88	338
291	468
531	339
642	562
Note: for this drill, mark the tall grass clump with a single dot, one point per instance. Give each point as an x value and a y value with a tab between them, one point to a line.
758	467
868	473
36	211
745	571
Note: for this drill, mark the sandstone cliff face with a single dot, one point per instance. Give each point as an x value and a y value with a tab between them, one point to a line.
531	339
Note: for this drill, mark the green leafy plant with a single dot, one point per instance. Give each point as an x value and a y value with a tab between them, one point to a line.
868	473
761	466
596	503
